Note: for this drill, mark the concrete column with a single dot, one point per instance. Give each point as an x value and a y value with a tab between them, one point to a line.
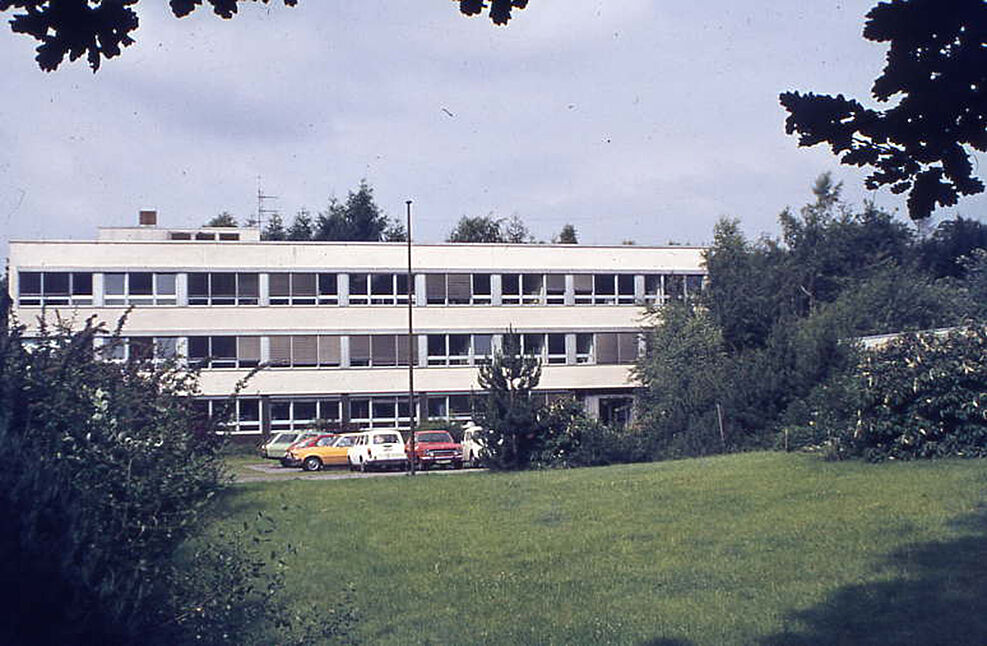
639	289
343	287
264	289
98	289
181	289
422	350
570	291
344	353
421	296
496	290
570	349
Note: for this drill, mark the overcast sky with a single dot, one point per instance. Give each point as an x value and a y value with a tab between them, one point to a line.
631	119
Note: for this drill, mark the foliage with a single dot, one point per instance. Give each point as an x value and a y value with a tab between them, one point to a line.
484	228
682	373
224	219
567	235
274	229
500	10
106	474
487	228
943	253
100	30
358	218
921	396
937	69
570	438
301	228
510	415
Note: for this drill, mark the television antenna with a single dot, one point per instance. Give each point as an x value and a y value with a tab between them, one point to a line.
263	210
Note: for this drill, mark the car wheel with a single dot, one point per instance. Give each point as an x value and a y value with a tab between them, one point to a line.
285	463
312	463
458	464
363	467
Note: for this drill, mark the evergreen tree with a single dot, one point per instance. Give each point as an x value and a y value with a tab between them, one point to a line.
484	228
224	219
567	235
301	228
510	415
274	229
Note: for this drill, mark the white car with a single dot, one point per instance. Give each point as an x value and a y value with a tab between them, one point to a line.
473	447
377	449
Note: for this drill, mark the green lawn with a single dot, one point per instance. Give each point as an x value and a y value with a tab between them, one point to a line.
760	548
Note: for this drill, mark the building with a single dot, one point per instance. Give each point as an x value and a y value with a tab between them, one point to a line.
330	320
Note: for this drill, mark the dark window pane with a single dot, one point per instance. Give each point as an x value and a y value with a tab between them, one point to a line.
223	284
280	410
249	410
30	282
556	344
198	347
436	345
481	284
327	285
303	284
510	284
279	285
625	284
358	284
603	284
82	283
359	409
56	283
459	345
304	410
224	347
248	285
402	287
382	284
141	283
198	284
141	348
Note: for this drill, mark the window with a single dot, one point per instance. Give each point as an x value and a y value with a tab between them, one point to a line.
525	288
239	416
223	351
304	351
55	288
603	289
555	289
584	348
459	406
380	412
328	289
223	288
139	288
378	289
482	348
556	348
301	414
616	347
292	288
456	349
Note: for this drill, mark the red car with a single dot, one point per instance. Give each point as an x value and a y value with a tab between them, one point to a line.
435	448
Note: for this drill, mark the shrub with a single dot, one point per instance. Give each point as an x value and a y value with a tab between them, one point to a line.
921	396
107	484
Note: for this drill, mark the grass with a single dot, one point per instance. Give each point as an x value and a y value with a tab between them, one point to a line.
759	548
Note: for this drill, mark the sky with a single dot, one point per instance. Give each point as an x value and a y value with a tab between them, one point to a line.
643	120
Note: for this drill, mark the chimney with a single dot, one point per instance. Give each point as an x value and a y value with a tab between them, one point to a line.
148	218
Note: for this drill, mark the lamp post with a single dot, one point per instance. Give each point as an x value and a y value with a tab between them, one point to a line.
411	351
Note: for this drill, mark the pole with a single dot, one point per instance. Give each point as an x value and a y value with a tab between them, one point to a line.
411	351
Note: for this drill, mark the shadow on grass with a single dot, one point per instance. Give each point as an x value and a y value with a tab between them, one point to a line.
665	641
940	599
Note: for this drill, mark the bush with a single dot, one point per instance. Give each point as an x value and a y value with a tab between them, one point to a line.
921	396
106	478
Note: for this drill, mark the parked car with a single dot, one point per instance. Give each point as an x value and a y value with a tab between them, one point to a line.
473	446
287	460
275	447
435	448
377	449
324	453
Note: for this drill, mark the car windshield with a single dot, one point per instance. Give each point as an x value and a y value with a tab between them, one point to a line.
284	438
390	438
344	441
434	437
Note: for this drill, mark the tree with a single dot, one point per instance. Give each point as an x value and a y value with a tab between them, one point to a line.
567	235
100	30
357	219
224	219
274	229
483	228
301	229
516	232
943	253
937	70
510	415
108	482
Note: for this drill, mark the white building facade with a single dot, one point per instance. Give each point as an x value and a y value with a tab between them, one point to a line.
328	321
